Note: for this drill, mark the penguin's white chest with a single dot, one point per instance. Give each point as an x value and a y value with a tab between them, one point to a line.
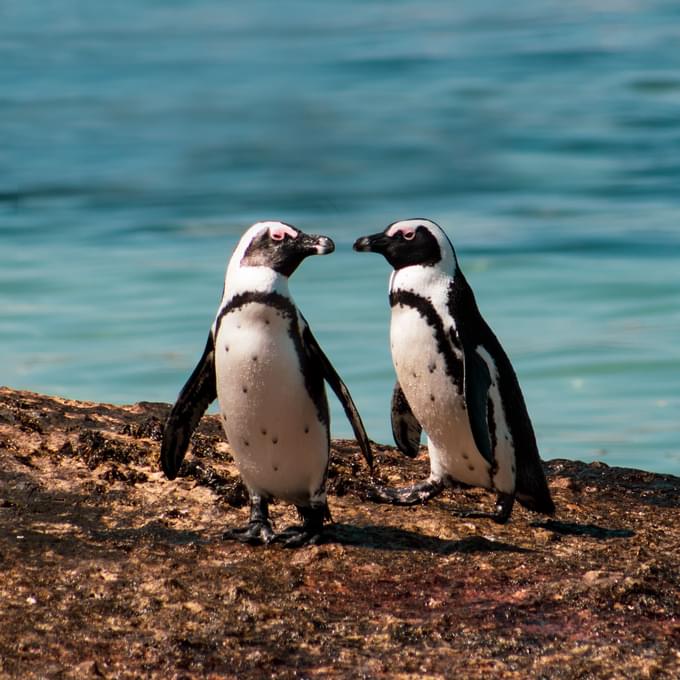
437	402
271	422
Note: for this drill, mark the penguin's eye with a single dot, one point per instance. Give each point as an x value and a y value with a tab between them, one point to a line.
409	234
278	236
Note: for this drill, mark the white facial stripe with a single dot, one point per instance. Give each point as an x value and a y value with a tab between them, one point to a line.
279	231
250	278
405	227
396	228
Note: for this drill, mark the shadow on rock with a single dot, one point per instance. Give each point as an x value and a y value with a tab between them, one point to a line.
587	530
392	538
152	531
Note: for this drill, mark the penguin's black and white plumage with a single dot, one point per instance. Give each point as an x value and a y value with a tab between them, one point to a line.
453	379
267	370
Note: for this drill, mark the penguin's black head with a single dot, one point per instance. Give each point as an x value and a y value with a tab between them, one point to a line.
406	243
282	247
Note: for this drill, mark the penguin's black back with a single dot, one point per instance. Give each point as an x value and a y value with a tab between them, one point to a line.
531	485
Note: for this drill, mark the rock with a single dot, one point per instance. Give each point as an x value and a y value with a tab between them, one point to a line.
111	570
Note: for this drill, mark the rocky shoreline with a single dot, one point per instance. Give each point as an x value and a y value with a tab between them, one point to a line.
110	570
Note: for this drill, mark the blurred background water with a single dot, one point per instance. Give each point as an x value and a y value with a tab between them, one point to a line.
139	139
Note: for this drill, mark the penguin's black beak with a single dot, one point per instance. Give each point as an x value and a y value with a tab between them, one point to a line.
375	243
312	244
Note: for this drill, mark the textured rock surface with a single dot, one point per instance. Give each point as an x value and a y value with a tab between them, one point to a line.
110	570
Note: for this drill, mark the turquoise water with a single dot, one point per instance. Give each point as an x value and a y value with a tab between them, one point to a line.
138	140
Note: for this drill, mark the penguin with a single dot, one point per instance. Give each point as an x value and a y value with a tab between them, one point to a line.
267	371
454	380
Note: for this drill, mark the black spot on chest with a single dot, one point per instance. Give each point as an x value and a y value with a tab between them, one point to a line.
285	309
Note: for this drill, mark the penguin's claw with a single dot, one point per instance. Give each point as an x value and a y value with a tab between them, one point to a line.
297	536
254	533
309	532
478	514
407	495
381	494
504	504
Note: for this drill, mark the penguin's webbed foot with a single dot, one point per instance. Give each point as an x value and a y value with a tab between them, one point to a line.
406	495
257	532
504	504
309	532
297	536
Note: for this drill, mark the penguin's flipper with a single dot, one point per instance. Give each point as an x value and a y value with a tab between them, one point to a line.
406	429
196	395
331	376
477	381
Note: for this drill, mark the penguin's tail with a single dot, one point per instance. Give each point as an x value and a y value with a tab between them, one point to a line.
533	491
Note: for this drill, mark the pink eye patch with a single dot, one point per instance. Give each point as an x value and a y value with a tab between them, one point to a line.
408	232
279	232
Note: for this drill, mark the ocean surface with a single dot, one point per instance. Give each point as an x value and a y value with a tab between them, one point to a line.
139	139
